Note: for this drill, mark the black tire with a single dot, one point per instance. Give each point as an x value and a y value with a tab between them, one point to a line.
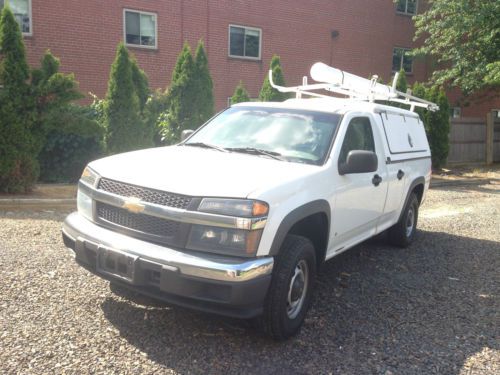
403	232
296	261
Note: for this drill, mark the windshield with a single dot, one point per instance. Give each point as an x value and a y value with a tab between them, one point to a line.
290	134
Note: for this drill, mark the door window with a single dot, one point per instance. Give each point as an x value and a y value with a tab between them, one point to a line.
359	136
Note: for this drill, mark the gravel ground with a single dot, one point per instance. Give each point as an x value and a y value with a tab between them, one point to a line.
432	308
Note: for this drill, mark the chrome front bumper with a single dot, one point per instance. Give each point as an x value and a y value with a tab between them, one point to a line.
207	266
222	285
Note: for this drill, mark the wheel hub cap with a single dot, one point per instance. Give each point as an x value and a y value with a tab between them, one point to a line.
410	219
297	289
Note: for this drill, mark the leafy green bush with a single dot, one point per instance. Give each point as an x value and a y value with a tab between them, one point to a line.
182	96
74	140
267	92
18	146
240	94
437	124
155	114
127	87
204	104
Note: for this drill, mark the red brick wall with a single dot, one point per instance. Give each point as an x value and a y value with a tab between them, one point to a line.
84	35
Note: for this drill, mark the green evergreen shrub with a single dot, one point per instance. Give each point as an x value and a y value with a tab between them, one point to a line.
53	92
182	96
240	94
74	139
204	103
156	105
18	148
124	130
437	124
141	83
401	83
438	127
267	92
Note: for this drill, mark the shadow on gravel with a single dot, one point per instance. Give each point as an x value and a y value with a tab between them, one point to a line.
378	309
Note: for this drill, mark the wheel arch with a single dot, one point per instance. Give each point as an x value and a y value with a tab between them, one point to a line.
416	186
311	220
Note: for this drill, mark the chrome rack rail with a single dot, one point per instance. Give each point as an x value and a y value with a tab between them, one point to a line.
355	87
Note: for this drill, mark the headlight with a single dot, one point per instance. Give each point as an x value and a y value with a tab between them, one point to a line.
84	204
234	207
89	176
223	240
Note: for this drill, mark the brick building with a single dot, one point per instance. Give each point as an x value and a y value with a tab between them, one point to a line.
362	37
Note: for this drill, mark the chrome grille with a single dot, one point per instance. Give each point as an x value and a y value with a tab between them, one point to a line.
139	222
162	198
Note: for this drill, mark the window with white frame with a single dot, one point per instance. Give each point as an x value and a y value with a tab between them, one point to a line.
401	59
407	7
140	28
245	42
22	12
456	112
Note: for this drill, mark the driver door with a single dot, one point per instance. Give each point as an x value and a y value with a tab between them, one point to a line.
360	197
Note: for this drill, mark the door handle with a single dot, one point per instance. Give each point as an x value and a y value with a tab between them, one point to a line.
376	180
400	174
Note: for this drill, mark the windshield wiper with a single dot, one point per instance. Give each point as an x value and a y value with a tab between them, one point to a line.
257	151
205	145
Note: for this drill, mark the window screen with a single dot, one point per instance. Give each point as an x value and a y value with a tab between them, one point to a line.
407	6
244	42
21	10
140	29
402	60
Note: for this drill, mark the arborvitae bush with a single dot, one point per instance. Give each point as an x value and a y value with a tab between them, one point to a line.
182	96
402	84
267	92
204	104
141	83
438	127
53	92
240	94
437	124
69	138
18	148
156	105
124	130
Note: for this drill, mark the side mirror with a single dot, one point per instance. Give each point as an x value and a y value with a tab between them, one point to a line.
186	134
359	161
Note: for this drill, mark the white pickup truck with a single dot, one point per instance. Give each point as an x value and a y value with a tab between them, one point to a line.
238	218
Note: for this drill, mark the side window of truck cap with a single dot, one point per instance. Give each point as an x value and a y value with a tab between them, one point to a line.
359	136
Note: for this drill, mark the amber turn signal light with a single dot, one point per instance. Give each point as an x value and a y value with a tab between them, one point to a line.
260	209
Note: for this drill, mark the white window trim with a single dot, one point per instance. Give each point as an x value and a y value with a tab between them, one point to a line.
406	49
244	57
125	28
30	14
405	13
456	112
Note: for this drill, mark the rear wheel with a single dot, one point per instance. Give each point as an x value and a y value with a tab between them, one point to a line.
290	293
403	232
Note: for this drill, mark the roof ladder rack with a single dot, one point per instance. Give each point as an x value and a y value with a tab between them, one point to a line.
355	87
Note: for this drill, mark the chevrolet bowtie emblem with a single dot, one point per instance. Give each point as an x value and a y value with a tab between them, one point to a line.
133	205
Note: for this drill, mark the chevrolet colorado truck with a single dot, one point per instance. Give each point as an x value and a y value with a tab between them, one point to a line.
237	218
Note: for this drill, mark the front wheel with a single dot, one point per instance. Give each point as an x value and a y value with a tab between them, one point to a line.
403	232
291	288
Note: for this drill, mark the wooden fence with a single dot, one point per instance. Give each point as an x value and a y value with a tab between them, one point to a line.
474	140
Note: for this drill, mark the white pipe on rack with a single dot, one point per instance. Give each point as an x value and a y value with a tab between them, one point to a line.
340	82
323	73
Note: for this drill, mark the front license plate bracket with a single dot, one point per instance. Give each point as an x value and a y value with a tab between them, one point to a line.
117	264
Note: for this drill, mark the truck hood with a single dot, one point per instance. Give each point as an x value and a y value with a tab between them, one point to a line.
199	171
